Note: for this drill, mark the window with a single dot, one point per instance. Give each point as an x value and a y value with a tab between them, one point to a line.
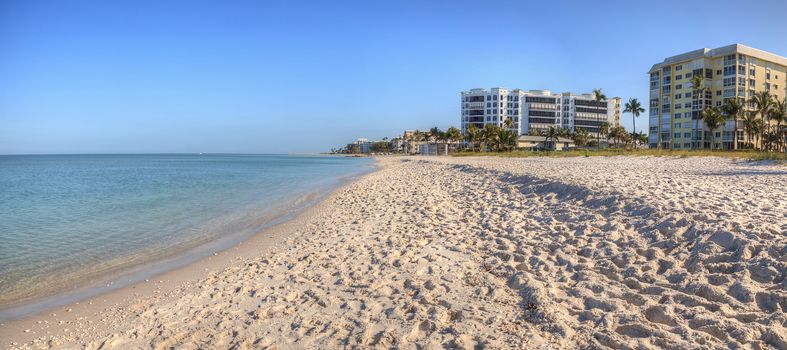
677	115
494	97
688	75
686	134
665	108
718	92
767	75
679	77
677	135
751	72
678	68
679	86
718	72
488	111
489	104
488	98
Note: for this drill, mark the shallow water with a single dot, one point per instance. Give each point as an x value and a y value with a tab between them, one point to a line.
66	220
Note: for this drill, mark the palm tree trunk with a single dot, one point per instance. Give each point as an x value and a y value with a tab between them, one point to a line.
735	134
762	132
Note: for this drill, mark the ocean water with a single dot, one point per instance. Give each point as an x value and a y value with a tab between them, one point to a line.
70	220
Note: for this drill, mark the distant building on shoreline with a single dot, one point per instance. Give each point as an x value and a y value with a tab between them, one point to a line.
362	145
537	109
734	71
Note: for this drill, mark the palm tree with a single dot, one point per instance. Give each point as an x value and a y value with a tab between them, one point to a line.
763	102
625	137
452	135
490	135
506	139
551	134
635	108
604	130
733	107
614	134
471	136
509	123
641	138
749	127
697	81
713	118
599	97
434	135
759	129
779	114
580	137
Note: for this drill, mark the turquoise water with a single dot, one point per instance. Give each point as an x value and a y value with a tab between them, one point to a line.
66	220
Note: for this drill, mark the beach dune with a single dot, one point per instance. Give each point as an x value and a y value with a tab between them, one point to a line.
443	252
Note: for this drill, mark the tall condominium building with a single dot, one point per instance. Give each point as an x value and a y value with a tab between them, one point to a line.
536	109
734	71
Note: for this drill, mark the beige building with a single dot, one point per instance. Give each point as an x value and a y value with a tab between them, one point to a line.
615	101
527	142
734	71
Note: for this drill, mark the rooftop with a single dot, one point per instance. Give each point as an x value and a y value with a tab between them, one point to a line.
721	51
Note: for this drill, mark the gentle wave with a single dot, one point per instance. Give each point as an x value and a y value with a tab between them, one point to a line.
67	222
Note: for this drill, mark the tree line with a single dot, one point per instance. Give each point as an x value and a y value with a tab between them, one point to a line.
763	109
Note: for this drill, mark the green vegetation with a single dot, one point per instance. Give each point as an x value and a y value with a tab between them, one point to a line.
610	152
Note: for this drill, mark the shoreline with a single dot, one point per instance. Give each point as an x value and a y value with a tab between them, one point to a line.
442	252
168	273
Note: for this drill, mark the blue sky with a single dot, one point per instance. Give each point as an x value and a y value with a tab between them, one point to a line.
276	77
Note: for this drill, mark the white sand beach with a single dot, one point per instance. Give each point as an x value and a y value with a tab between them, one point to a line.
446	252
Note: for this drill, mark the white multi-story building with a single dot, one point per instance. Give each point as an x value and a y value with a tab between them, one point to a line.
536	109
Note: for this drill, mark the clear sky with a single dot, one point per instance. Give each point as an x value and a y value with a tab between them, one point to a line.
300	76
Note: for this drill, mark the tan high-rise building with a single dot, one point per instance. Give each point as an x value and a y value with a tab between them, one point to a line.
734	71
